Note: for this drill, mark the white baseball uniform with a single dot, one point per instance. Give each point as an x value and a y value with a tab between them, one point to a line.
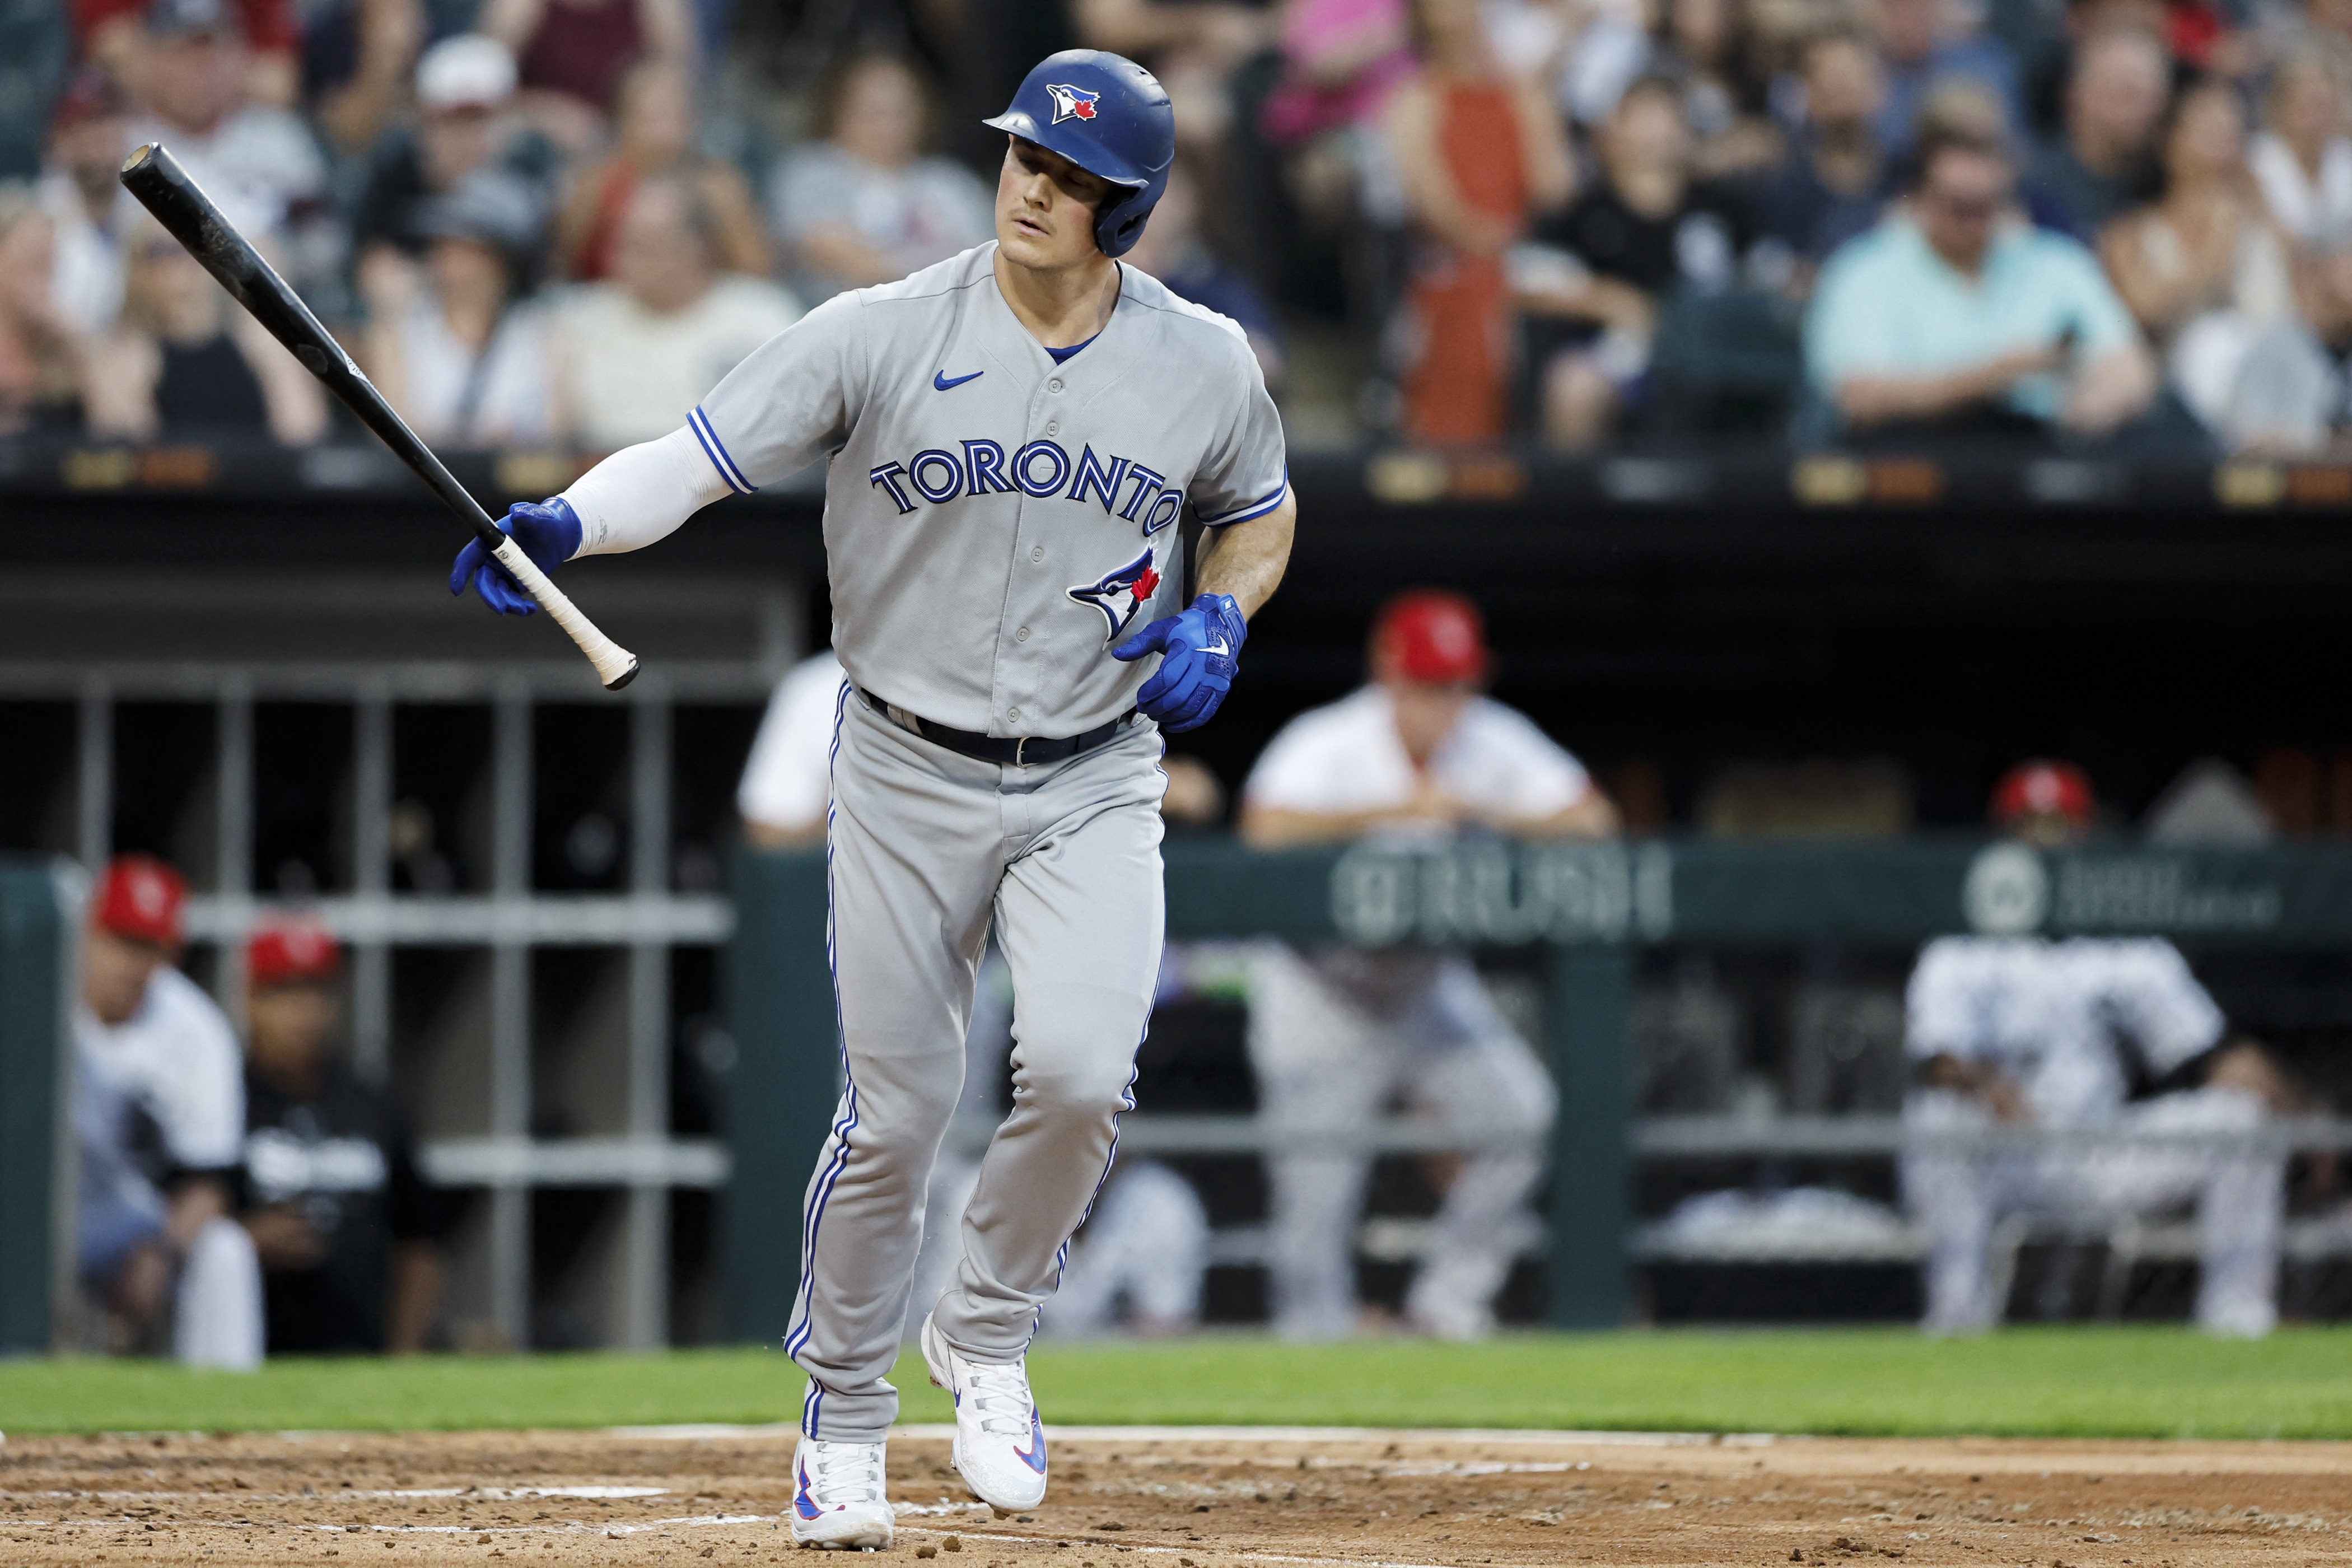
997	518
163	1092
787	779
2058	1018
1335	1034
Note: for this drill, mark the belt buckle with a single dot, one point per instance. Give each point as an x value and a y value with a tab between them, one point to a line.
1020	753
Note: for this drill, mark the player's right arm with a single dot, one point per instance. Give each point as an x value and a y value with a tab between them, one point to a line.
791	402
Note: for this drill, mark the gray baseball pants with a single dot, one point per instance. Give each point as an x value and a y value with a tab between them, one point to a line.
1957	1196
925	847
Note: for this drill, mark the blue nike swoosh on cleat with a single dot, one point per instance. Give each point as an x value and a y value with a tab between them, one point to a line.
939	382
802	1504
1035	1457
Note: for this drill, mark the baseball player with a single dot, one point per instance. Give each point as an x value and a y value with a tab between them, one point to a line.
158	1115
346	1227
1147	1239
786	786
1416	754
1010	437
2037	1033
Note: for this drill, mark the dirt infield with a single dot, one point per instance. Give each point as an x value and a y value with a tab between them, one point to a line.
1165	1498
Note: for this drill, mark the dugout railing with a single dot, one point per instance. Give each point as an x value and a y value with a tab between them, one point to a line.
1591	910
532	1028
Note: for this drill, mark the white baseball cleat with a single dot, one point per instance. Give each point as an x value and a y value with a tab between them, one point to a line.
1000	1444
841	1496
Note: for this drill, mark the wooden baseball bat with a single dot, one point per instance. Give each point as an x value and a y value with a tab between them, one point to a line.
164	188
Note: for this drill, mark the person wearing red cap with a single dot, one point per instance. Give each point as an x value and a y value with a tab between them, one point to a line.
347	1229
159	1114
1417	754
2025	1031
2046	803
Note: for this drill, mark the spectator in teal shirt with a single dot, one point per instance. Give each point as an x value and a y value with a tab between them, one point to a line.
1955	314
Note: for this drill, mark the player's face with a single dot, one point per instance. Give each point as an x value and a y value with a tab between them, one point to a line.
2043	829
115	972
1426	712
289	1028
1046	209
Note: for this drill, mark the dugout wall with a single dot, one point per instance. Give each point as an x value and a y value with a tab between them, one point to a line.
38	903
1590	910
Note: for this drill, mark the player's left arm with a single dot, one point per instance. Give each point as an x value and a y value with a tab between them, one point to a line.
1242	495
1246	561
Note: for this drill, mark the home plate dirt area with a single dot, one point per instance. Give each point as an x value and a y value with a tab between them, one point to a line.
1170	1498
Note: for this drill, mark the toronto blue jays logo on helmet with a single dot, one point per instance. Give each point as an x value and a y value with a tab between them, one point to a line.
1072	102
1119	594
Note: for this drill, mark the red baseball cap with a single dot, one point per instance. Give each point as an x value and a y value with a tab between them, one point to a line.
2039	787
143	899
1434	636
290	950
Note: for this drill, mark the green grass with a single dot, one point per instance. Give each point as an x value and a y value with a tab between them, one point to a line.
2073	1381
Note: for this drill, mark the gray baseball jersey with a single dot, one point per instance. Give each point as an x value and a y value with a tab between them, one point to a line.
994	521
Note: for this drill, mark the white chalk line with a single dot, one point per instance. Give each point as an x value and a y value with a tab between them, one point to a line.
921	1431
1200	1546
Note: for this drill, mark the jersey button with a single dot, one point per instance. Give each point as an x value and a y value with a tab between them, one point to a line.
1053	427
1013	714
1021	636
1036	553
1054	385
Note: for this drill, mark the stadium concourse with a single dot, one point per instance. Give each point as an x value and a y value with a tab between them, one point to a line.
1192	1498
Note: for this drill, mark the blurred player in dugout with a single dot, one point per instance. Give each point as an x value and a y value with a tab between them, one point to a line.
347	1231
2091	1033
1141	1258
1417	755
159	1118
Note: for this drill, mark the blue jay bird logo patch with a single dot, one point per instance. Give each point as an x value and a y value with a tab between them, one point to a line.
1072	102
1119	594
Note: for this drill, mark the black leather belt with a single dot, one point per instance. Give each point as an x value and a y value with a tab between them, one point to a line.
1020	751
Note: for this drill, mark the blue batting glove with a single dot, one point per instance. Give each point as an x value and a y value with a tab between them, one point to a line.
1200	650
547	531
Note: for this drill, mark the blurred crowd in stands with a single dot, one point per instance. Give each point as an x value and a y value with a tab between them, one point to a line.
2116	225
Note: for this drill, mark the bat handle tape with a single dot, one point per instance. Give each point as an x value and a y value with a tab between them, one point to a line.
615	666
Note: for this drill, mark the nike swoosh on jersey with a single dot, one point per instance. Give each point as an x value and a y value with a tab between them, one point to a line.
939	382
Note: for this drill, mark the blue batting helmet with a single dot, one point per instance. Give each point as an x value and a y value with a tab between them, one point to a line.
1108	116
